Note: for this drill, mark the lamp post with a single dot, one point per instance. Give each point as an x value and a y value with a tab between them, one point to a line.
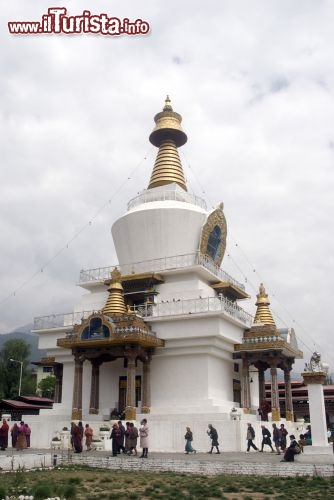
21	363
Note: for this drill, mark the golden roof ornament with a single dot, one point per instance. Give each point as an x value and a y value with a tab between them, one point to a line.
263	314
167	136
168	104
115	276
115	303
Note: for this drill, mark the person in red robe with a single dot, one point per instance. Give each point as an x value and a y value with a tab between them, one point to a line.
14	433
4	429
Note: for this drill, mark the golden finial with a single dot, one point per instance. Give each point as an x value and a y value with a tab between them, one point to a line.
263	314
115	303
168	104
115	275
167	136
262	293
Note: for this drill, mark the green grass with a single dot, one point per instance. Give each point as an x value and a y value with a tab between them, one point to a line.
84	483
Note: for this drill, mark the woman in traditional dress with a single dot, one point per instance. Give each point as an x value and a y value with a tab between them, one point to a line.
143	433
14	432
213	435
115	436
21	442
133	439
4	435
27	431
76	438
292	450
89	437
127	435
189	437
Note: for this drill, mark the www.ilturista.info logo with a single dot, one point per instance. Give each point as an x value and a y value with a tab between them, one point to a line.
56	22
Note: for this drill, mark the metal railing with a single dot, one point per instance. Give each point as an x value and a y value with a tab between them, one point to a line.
60	320
157	265
178	307
166	194
162	309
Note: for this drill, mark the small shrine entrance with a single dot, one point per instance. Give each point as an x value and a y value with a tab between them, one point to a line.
264	346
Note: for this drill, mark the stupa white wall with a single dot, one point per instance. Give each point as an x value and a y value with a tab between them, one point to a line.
158	229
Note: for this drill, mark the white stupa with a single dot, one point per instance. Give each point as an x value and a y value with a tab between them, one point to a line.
154	334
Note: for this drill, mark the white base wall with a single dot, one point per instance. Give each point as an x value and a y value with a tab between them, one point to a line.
166	432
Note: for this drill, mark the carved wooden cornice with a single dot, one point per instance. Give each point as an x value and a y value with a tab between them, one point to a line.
125	329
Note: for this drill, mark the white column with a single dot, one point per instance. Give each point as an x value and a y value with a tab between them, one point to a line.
314	382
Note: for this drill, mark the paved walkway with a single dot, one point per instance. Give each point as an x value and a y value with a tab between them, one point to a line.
252	463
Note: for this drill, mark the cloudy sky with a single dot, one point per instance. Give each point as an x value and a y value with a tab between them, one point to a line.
254	82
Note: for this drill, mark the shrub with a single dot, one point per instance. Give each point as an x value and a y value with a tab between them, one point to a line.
42	491
70	491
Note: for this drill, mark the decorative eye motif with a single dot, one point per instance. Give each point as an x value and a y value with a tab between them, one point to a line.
213	237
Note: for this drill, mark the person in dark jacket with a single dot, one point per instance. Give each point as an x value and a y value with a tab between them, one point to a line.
266	435
121	446
284	434
292	450
277	438
213	434
115	436
189	438
250	436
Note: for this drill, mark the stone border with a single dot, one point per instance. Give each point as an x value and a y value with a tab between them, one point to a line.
204	467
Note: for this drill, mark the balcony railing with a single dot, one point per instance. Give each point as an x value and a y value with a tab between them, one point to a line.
60	320
195	306
166	194
162	309
158	265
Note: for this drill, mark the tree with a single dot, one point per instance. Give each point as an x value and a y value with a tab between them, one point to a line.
10	371
47	386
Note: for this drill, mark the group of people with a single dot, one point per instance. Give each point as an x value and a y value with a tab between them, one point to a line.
211	432
77	435
124	439
279	438
20	435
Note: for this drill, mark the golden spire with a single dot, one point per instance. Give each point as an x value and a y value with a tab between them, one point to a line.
115	303
263	314
167	136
